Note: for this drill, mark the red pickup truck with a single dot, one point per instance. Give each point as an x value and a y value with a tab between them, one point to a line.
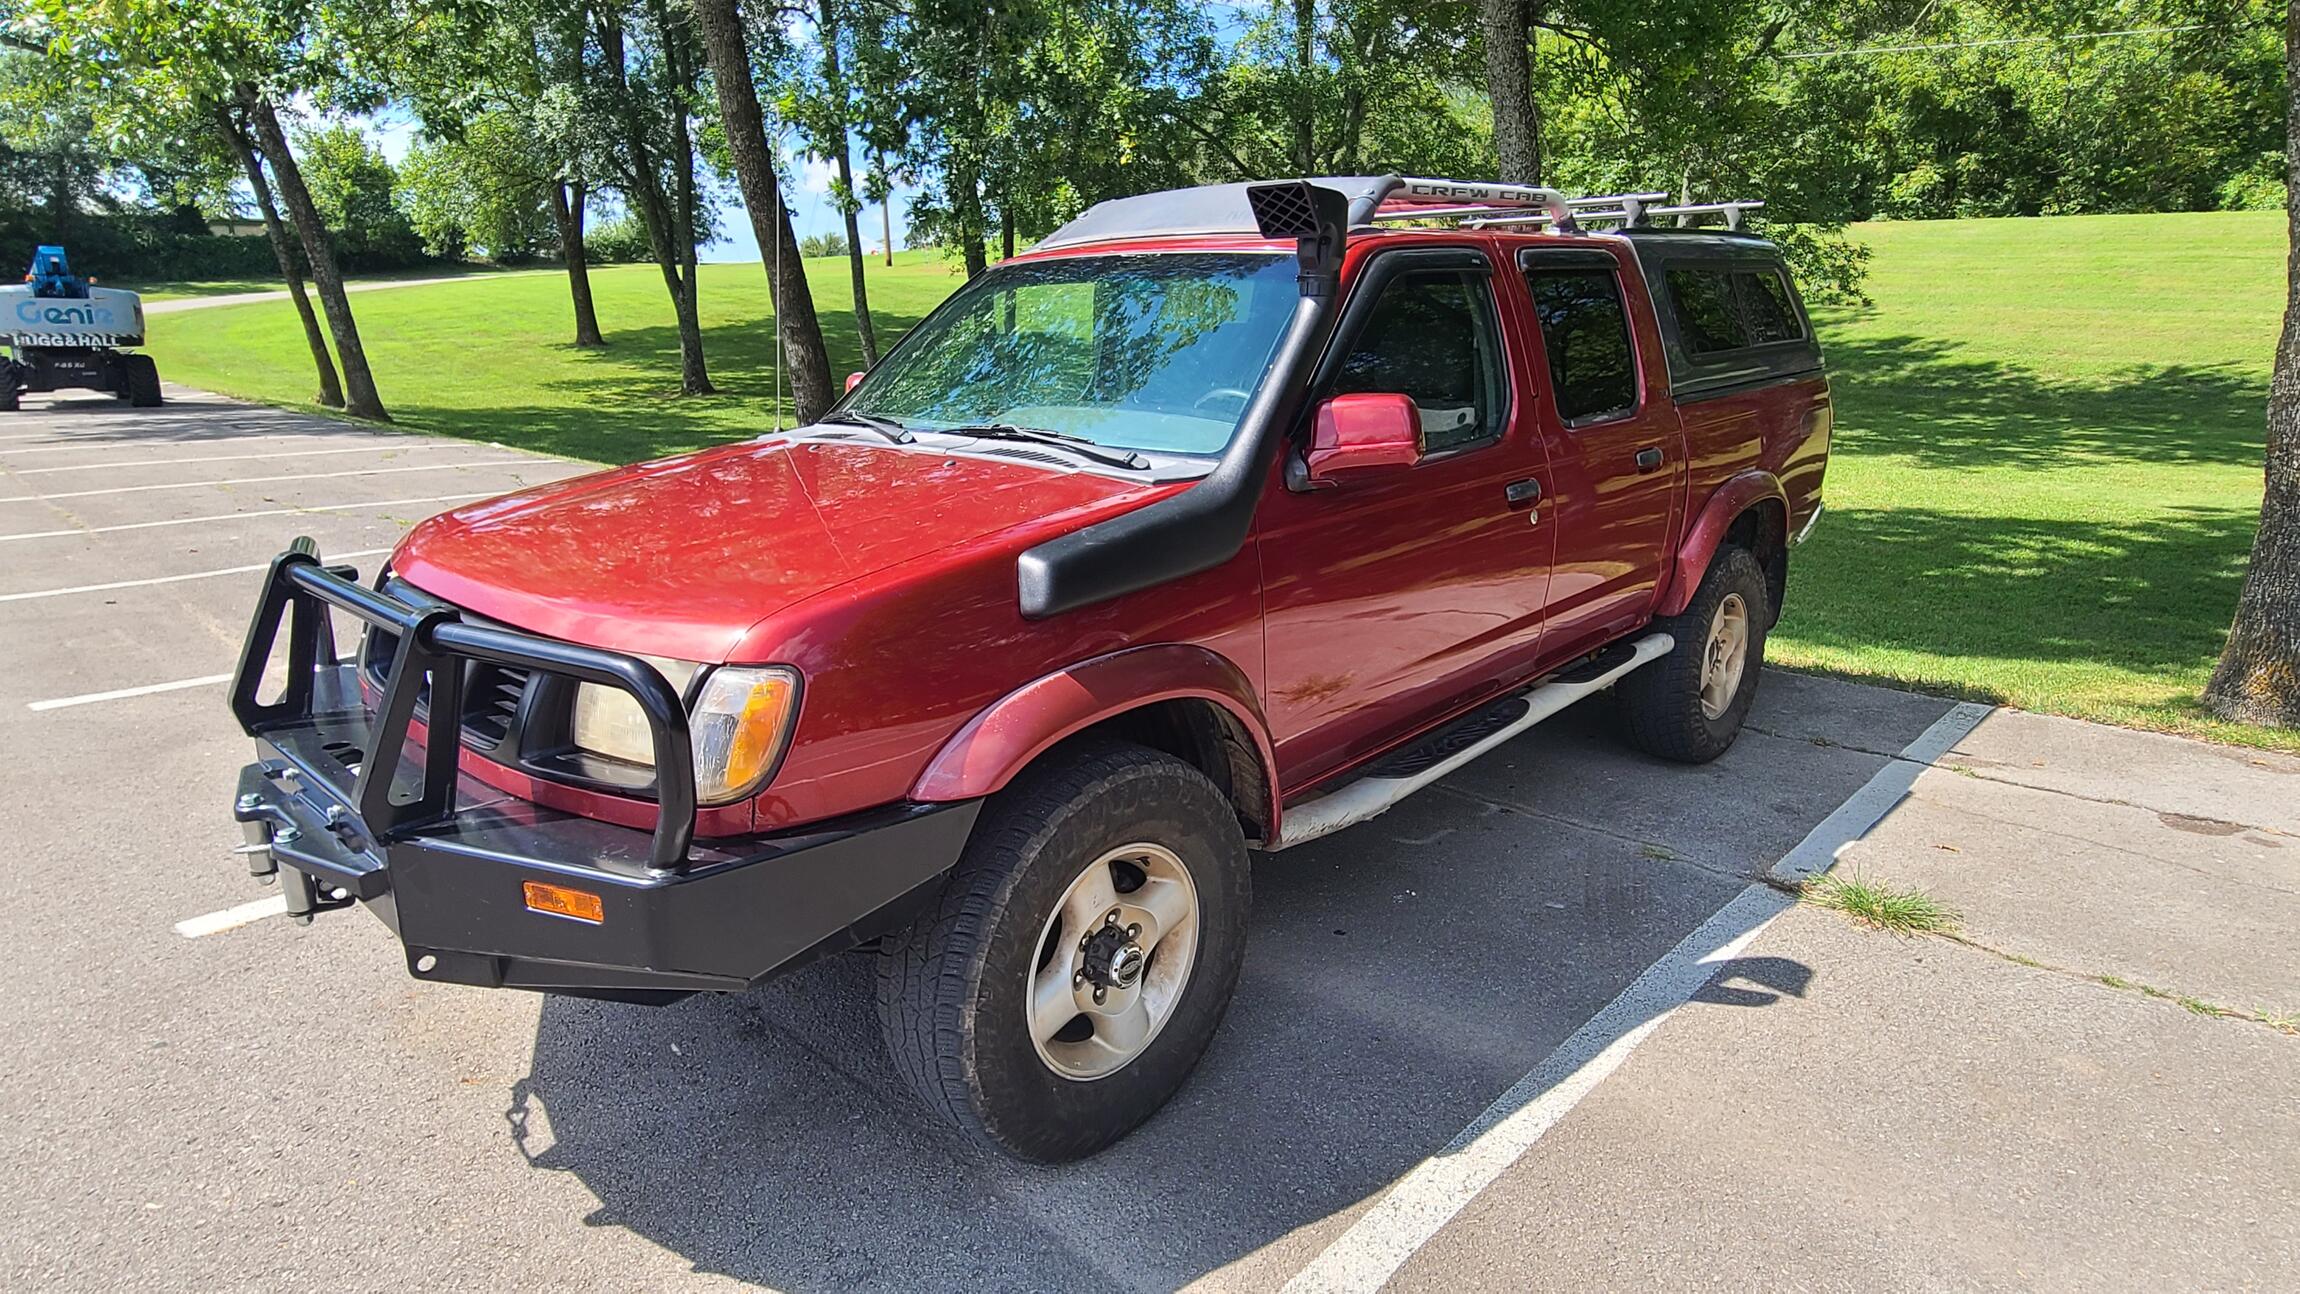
1223	519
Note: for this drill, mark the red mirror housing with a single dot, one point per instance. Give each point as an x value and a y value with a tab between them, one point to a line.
854	380
1361	432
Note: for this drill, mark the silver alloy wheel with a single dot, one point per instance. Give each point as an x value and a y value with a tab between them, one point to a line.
1116	955
1726	656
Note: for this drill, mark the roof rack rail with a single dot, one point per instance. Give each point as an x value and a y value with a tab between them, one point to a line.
1415	198
1633	210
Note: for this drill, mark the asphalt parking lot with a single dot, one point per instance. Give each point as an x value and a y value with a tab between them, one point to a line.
274	1107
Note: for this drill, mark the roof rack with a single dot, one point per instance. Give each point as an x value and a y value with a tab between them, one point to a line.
1379	200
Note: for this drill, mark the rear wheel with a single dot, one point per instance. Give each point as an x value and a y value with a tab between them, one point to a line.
1689	705
139	381
1080	957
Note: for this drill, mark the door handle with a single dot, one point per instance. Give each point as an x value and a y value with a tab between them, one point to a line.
1648	458
1522	494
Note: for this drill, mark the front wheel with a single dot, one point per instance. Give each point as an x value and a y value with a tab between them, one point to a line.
1080	957
1689	705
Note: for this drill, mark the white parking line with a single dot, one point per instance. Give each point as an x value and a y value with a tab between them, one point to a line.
1386	1236
153	444
265	480
380	447
238	516
168	579
215	923
122	694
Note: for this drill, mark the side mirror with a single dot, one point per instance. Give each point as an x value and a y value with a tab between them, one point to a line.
1362	432
854	380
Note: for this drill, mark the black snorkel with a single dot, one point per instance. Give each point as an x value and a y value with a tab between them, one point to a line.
1205	525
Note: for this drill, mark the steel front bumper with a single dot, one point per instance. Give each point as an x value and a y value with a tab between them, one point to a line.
339	816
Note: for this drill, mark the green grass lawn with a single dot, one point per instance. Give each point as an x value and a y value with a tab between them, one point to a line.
491	359
176	289
2047	467
2046	471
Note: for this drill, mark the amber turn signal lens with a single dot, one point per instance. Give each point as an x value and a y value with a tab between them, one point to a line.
559	901
740	721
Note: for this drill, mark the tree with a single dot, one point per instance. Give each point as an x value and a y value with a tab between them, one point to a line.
228	129
356	191
654	167
2258	680
800	332
360	397
1509	84
512	136
482	189
1357	87
826	123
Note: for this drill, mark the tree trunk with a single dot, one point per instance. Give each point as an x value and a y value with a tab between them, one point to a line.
1305	106
330	390
678	60
849	205
642	184
361	400
1005	231
2259	676
567	201
886	213
966	205
886	217
800	332
1509	82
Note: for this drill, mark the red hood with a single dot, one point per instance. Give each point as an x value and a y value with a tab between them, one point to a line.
680	556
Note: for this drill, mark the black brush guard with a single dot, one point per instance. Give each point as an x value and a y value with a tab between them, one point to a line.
336	809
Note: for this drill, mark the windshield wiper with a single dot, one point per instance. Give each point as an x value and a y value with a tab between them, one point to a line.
1078	445
894	431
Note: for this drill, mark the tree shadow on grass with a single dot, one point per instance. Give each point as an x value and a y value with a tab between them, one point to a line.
2150	595
1925	400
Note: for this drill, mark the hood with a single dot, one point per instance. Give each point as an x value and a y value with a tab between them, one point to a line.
680	556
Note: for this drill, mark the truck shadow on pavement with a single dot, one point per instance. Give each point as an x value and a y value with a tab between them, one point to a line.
1402	975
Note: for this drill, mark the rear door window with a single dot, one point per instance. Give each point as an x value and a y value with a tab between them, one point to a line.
1585	331
1432	337
1707	317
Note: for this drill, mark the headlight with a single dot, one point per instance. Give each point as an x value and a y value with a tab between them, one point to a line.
739	722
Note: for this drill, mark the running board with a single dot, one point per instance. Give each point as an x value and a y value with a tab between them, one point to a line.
1373	794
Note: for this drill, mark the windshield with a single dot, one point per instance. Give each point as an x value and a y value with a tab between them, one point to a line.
1157	352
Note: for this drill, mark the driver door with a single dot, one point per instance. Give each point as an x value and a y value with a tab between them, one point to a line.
1403	594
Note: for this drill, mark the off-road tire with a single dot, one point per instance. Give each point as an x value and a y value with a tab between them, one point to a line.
1660	704
951	989
8	397
140	381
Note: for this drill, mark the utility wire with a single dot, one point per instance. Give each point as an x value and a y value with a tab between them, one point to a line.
1980	44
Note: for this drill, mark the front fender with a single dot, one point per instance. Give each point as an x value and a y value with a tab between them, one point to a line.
985	755
1727	502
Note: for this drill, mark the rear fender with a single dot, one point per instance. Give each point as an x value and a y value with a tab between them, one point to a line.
1728	501
984	756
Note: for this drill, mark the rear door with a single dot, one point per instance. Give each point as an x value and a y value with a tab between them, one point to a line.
1617	455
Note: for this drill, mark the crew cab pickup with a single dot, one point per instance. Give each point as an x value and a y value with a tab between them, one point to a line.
1222	519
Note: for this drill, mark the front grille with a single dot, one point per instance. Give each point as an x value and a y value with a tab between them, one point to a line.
492	701
491	693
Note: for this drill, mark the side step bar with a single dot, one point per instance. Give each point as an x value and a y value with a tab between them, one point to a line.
1373	794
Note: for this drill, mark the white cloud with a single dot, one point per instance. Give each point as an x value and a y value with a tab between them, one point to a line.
815	176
